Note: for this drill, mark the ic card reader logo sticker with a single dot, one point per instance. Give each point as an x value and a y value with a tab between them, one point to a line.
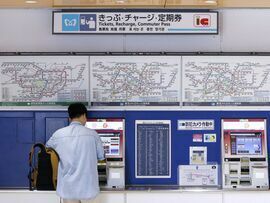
202	20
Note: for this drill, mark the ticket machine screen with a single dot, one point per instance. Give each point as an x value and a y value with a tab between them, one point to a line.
246	145
111	143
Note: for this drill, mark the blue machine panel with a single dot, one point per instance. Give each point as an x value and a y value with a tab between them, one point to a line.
16	140
14	150
53	124
25	131
41	130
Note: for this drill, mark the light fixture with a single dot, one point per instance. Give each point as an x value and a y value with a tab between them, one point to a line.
120	1
30	1
210	2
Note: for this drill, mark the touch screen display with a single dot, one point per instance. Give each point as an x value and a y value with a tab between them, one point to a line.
248	145
111	143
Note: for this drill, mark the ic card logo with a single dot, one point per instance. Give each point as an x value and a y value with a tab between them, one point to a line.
70	22
202	20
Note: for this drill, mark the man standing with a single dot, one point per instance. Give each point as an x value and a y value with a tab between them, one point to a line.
79	149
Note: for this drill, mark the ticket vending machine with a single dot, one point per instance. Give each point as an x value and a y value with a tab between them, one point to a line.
244	154
112	134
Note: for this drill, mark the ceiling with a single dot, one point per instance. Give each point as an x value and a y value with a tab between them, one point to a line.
135	3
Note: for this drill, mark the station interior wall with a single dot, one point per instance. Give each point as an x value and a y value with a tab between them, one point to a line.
30	30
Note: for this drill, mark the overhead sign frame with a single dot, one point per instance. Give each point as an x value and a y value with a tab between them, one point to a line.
136	21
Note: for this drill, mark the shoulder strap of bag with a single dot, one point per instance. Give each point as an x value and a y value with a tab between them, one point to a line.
31	167
54	160
31	154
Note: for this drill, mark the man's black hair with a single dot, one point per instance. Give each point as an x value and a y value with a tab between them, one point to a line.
75	110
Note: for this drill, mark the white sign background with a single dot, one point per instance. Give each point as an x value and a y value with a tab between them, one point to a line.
196	124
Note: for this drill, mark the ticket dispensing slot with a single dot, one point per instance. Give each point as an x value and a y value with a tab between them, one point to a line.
244	160
111	131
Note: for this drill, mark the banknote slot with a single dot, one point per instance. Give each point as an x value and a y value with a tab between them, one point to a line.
233	171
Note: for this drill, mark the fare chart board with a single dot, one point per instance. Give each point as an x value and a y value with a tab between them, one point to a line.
153	149
135	80
44	80
226	80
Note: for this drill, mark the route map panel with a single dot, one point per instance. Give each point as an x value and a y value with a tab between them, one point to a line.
44	80
226	81
135	80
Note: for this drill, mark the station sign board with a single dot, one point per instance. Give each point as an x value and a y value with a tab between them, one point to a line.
134	22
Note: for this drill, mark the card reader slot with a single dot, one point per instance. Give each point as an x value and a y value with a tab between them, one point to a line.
245	182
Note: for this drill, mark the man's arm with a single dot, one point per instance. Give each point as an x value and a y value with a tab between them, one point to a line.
50	143
100	149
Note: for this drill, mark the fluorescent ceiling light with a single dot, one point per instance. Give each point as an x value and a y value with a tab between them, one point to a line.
120	1
210	1
31	2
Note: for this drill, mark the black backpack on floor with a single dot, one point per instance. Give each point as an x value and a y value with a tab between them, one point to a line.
43	175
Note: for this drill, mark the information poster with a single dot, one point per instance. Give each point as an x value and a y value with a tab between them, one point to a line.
153	149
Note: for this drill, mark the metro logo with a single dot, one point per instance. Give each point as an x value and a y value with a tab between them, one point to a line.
70	22
202	20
